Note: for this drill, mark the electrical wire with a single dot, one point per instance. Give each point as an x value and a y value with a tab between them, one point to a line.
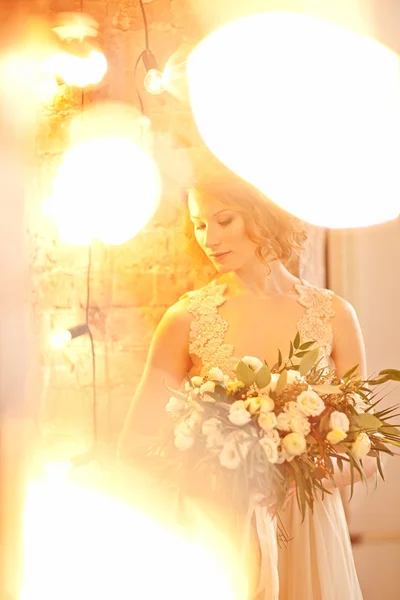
146	27
136	84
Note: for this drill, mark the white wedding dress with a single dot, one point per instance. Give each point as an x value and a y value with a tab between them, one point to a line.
318	561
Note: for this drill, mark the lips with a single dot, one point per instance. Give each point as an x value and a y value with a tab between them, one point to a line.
218	255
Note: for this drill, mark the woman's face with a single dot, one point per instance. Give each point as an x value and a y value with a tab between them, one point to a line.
220	232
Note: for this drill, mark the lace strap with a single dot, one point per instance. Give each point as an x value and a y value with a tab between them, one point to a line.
208	328
316	324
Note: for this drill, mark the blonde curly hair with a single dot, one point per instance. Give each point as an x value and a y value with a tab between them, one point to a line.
277	234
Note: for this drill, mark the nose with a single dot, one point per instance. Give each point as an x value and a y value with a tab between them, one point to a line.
211	238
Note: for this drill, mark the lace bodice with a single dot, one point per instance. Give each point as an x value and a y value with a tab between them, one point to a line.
207	345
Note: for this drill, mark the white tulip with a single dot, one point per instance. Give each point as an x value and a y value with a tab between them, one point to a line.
339	420
216	375
361	446
254	363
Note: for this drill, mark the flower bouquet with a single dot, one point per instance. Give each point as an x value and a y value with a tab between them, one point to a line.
265	430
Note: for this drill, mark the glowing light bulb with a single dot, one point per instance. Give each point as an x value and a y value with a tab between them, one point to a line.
60	338
153	82
108	186
306	111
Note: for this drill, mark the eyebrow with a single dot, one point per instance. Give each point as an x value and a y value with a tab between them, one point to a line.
214	215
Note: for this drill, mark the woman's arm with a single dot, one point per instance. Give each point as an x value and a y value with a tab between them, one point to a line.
168	362
347	352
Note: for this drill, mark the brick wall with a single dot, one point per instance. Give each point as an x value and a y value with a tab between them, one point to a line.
132	284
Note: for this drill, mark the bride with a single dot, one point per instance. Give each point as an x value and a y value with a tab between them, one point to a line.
252	307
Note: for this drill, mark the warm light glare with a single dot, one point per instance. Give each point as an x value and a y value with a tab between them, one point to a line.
81	543
154	82
106	188
60	338
76	70
306	111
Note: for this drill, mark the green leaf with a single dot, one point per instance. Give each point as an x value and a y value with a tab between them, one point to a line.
263	377
339	463
296	342
367	421
350	372
308	361
280	386
279	358
306	345
291	350
389	430
244	373
327	389
324	424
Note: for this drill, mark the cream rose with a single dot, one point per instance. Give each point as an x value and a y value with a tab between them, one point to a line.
336	436
216	375
175	405
273	435
271	387
310	403
338	420
211	426
270	448
215	441
229	456
184	442
294	444
197	381
207	387
267	420
238	415
300	424
292	376
260	404
284	420
254	363
361	446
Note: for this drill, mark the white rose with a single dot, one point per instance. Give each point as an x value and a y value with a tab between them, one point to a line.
284	420
361	446
267	420
300	424
293	408
271	387
273	435
283	455
216	375
310	403
254	363
184	442
229	456
197	381
208	386
211	426
183	428
292	376
215	441
175	405
336	436
270	448
239	416
267	404
294	444
338	420
194	419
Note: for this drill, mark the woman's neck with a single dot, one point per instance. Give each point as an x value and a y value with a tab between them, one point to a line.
260	280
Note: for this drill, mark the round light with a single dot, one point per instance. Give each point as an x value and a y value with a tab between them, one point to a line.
59	339
306	111
106	188
153	82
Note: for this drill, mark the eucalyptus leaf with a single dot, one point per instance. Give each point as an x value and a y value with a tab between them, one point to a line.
280	386
350	372
296	342
326	388
263	377
308	361
306	345
389	429
367	421
244	373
